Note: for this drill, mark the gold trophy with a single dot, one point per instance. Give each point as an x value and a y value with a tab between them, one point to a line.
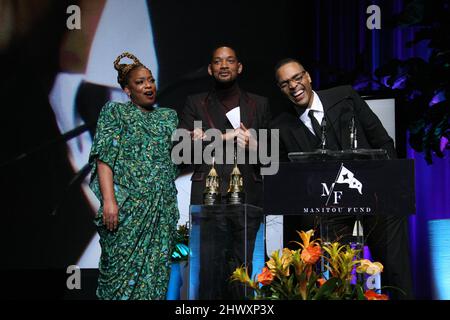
236	194
211	195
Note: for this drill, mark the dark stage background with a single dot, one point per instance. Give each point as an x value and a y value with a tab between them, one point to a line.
47	225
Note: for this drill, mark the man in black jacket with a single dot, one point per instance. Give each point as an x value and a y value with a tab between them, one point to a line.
301	131
211	109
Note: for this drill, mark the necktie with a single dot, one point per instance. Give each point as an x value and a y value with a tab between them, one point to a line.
315	123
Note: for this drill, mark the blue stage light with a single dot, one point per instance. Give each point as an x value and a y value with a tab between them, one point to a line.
439	231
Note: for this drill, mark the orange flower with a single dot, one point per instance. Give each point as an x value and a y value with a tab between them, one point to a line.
265	277
321	281
372	295
311	254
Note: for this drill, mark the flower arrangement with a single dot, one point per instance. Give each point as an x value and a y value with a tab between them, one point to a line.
295	275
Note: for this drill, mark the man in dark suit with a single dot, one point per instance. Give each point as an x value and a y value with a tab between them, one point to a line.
211	109
301	131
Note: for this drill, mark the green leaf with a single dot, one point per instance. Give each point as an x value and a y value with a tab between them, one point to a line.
290	285
327	289
360	292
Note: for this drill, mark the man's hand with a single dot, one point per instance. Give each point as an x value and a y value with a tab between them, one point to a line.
229	135
245	138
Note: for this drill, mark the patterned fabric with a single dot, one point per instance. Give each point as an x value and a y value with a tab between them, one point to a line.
135	260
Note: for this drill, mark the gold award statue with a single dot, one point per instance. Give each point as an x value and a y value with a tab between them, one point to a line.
211	195
236	194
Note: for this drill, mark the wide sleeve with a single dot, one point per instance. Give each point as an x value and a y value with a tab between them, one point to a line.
106	144
172	125
172	121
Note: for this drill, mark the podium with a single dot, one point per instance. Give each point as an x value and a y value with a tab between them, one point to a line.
324	184
337	189
314	188
222	238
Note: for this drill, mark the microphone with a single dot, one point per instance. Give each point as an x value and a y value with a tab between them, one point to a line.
323	129
353	139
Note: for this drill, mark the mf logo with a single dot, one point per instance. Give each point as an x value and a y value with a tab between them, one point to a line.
344	176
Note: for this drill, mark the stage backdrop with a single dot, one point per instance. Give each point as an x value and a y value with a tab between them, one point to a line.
56	78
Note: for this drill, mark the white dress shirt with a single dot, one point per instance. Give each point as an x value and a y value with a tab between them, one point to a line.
318	113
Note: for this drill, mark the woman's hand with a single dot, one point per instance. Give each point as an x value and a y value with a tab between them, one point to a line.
111	214
110	207
198	134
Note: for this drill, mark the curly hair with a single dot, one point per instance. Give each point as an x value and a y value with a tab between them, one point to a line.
123	69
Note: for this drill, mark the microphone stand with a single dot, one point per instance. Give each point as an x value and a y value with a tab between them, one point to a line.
323	129
323	220
353	139
359	235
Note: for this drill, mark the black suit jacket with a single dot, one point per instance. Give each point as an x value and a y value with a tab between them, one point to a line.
388	239
205	107
340	105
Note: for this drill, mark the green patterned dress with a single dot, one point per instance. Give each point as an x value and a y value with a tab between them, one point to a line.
135	259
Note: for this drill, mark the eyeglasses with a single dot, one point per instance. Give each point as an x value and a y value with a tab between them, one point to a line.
297	79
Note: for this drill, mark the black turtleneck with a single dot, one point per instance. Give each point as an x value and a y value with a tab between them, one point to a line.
228	95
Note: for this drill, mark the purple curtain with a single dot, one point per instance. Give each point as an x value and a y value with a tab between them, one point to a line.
344	45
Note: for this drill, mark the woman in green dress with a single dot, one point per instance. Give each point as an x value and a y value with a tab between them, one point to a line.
134	179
